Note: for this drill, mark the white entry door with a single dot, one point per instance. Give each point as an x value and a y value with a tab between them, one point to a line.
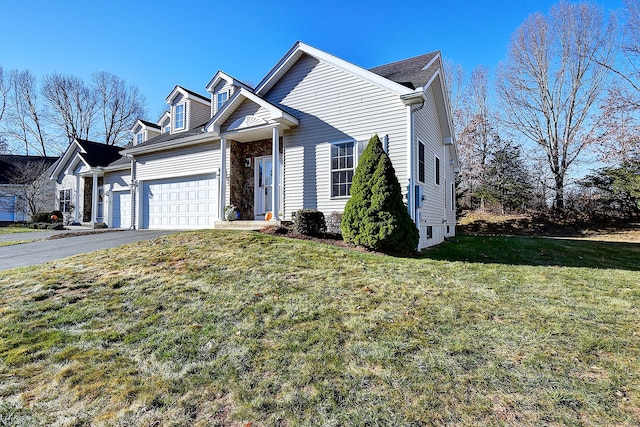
264	186
121	209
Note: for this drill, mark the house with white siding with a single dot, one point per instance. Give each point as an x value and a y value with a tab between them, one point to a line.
291	142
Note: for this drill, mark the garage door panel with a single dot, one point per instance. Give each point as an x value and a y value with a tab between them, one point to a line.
184	202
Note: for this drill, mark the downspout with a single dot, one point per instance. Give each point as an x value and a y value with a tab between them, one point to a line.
410	159
412	100
132	191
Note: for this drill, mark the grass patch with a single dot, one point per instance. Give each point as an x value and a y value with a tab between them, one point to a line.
231	328
15	242
12	229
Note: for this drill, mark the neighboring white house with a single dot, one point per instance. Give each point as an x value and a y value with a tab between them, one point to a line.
23	187
292	142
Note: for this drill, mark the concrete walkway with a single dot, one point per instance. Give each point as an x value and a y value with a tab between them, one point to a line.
41	251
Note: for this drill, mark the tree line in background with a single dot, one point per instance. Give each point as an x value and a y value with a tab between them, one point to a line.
42	118
566	97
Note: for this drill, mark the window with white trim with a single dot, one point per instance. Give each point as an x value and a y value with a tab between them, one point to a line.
65	200
222	98
139	138
342	168
179	122
421	165
437	171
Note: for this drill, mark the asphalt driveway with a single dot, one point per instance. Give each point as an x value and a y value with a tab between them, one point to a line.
41	251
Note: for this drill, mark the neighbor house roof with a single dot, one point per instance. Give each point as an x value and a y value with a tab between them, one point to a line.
8	163
413	72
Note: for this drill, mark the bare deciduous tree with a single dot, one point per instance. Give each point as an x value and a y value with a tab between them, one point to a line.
477	138
550	82
72	105
620	136
4	90
30	184
24	119
119	105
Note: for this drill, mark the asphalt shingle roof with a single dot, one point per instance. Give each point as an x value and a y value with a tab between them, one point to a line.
408	72
97	154
170	137
149	124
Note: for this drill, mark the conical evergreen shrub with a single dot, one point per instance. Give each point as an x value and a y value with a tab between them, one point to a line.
375	216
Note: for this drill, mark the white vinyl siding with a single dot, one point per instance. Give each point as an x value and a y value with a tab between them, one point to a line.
198	159
247	108
199	114
332	105
437	201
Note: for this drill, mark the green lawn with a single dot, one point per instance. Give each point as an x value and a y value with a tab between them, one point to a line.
10	230
238	328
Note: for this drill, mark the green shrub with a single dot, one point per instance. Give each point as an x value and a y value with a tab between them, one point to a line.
309	222
375	216
41	217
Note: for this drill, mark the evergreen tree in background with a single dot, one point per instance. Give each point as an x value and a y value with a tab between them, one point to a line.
375	216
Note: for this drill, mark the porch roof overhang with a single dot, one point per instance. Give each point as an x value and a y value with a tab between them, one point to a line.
277	116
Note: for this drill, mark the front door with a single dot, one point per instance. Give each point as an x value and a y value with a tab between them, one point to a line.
264	185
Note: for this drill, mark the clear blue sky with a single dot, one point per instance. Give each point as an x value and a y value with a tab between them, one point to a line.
156	45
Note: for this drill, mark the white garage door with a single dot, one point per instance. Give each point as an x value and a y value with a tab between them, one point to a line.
187	202
121	210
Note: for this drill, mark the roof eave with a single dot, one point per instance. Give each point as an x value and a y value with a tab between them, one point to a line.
167	145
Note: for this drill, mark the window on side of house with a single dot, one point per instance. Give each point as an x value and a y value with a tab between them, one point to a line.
65	200
429	232
437	171
420	162
179	122
342	168
222	98
139	138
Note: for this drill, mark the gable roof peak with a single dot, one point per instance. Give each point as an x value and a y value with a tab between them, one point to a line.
189	93
299	48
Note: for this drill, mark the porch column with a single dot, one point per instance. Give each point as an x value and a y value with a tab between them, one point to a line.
275	184
94	199
76	208
223	177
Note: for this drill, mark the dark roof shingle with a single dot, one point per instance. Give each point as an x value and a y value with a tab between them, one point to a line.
97	154
408	72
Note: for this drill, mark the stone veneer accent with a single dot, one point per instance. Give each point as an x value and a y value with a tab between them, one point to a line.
241	177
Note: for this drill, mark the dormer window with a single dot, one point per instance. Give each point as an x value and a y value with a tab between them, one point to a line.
179	116
139	138
167	127
222	98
